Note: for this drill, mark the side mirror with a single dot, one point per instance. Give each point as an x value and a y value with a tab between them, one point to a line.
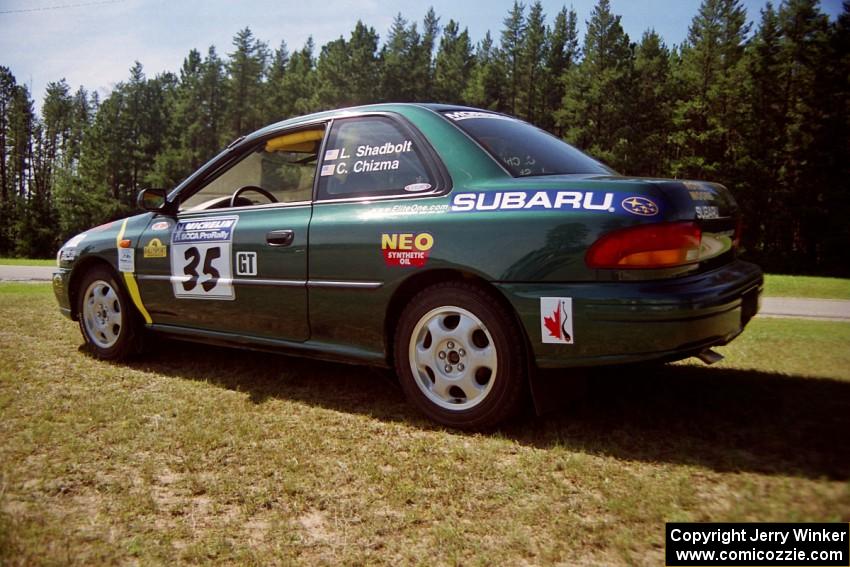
155	200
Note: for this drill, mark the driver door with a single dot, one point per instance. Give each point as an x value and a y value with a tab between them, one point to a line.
234	260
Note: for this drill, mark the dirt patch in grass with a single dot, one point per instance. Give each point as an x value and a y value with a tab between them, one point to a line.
196	455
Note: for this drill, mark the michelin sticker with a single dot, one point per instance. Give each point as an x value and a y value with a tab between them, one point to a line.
556	320
551	200
201	258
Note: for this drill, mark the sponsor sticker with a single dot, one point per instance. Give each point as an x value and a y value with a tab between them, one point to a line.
67	254
155	249
556	320
417	187
161	225
246	263
641	206
406	249
544	200
202	259
707	212
126	260
466	115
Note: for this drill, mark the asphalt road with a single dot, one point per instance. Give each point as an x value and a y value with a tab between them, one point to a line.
825	309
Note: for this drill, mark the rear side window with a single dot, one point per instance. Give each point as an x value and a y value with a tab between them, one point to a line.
369	157
521	148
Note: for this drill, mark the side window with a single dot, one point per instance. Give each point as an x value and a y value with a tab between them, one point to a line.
283	168
369	157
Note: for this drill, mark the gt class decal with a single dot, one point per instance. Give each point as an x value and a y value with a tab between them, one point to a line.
406	249
201	258
549	200
556	320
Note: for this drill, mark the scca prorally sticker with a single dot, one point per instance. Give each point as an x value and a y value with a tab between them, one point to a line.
127	260
155	249
640	206
406	249
556	320
201	258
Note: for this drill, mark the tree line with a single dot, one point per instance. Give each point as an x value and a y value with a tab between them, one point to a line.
763	109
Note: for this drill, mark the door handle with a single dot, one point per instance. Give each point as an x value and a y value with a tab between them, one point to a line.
280	237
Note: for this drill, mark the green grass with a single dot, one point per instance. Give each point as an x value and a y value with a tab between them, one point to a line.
198	454
27	262
806	286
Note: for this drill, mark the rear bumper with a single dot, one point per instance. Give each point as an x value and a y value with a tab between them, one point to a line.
620	322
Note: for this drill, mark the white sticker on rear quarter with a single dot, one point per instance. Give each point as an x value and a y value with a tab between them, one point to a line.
556	320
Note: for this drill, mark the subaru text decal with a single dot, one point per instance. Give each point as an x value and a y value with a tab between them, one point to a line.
549	200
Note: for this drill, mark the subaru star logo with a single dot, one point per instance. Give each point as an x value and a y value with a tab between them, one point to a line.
640	206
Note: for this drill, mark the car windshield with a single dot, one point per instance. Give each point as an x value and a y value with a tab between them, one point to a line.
521	148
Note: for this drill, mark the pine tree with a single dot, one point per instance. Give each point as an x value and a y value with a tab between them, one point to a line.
484	89
299	83
511	54
651	106
400	56
425	64
275	99
594	112
532	57
453	65
711	76
562	53
246	72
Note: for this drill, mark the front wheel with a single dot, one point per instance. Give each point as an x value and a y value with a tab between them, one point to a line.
459	357
107	321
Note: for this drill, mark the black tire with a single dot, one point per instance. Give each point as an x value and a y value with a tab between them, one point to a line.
108	320
470	373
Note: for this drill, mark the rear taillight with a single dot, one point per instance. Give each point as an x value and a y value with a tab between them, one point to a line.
647	246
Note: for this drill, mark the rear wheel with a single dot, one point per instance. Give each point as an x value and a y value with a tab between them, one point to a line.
108	323
459	357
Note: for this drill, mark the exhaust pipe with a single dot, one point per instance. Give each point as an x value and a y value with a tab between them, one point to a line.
710	356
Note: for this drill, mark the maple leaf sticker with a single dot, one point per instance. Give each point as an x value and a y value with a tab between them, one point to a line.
556	320
553	323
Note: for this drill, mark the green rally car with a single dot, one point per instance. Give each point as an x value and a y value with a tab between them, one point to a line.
463	247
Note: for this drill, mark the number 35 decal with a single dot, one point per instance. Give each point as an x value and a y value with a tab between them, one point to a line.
201	265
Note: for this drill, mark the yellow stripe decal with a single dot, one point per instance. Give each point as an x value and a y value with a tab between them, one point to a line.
130	280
